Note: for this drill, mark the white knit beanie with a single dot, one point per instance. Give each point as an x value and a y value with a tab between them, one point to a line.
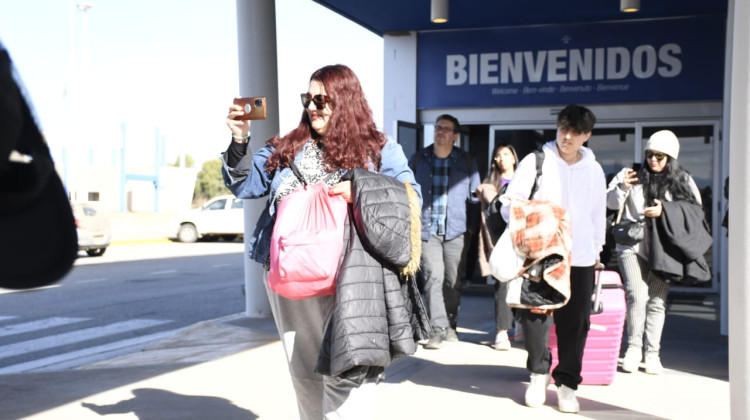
664	141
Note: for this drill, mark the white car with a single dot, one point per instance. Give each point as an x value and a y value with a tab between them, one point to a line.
221	217
94	232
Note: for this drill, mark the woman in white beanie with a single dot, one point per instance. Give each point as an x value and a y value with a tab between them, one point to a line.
642	192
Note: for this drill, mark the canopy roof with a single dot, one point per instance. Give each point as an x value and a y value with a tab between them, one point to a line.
384	16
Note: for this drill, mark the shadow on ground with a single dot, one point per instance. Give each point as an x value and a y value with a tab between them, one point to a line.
157	404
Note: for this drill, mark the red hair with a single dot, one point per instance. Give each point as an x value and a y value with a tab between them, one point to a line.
351	141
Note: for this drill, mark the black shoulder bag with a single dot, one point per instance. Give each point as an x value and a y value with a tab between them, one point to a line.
627	232
38	243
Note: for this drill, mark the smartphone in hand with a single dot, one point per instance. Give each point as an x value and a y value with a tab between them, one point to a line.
636	169
254	108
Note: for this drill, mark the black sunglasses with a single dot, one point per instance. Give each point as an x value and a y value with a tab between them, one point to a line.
657	155
320	101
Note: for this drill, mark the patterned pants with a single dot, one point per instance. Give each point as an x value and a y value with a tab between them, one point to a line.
646	297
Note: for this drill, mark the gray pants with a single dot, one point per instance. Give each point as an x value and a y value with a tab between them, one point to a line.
646	297
301	325
441	265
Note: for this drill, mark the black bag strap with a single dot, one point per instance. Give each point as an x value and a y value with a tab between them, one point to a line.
495	203
539	154
621	210
297	172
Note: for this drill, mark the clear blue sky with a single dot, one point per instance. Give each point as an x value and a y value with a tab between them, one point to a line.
166	64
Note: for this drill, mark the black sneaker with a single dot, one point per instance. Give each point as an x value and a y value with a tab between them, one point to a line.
436	341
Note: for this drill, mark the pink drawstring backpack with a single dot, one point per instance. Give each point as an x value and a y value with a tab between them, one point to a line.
307	240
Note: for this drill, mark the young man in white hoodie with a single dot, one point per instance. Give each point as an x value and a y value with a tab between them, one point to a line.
573	179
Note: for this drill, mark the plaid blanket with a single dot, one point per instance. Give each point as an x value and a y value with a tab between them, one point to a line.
540	232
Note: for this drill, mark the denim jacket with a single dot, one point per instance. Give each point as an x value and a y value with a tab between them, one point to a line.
463	206
250	180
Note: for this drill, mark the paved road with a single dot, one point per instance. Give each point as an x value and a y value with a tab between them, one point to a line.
110	305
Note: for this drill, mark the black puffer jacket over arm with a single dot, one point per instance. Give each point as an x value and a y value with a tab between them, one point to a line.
378	313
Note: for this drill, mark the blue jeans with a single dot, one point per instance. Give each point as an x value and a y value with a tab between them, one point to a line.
442	261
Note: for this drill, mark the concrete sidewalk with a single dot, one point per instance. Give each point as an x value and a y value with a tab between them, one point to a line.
234	368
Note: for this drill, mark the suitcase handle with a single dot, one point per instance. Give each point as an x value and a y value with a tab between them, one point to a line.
597	307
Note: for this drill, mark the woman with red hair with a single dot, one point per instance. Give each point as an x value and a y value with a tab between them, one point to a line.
336	135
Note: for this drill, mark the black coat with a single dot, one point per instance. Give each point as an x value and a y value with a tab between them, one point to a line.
679	239
378	313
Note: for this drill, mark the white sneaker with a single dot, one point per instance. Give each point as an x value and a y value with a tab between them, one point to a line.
653	364
501	341
566	400
536	393
631	360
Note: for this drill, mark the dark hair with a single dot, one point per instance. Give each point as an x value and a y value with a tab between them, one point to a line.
451	118
351	141
576	118
494	175
674	179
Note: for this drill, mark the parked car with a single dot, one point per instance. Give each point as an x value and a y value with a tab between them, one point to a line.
94	232
221	217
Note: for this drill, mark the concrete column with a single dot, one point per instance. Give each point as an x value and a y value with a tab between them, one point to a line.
739	213
256	40
399	80
721	238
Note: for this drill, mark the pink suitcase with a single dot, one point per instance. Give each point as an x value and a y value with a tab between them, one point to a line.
603	343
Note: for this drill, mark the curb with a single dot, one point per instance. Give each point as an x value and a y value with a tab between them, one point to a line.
139	241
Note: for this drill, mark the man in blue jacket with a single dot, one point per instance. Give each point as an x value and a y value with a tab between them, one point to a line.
450	215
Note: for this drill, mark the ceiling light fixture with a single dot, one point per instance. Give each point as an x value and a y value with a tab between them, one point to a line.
630	6
439	11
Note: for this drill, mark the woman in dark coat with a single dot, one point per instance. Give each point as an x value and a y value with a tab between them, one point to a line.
641	196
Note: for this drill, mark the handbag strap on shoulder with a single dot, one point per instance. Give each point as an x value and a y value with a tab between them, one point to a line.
297	172
539	155
622	209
